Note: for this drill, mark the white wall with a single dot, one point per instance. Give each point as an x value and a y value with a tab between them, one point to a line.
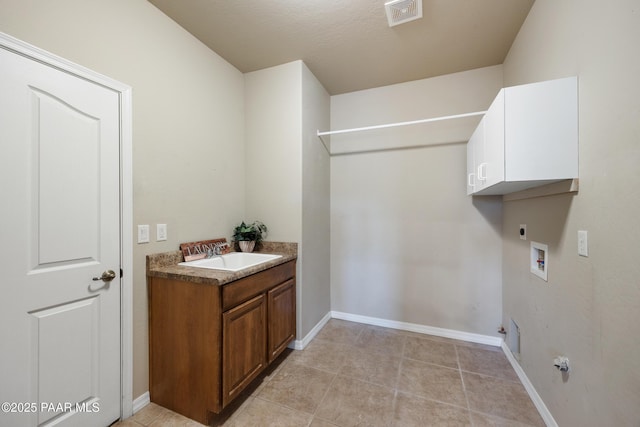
590	307
188	120
273	100
287	183
315	244
407	244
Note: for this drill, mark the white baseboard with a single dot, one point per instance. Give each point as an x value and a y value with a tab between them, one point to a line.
422	329
533	394
301	344
141	401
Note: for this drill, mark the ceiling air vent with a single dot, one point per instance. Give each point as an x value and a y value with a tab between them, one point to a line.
401	11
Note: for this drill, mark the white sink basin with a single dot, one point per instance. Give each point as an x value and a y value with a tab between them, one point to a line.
234	261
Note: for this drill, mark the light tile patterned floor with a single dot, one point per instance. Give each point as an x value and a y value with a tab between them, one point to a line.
359	375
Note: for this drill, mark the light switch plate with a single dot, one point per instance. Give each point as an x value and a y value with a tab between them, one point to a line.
161	232
143	233
583	243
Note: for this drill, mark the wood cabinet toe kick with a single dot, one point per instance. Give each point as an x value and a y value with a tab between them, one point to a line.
208	342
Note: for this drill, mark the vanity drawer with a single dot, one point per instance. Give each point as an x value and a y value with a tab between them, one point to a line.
237	292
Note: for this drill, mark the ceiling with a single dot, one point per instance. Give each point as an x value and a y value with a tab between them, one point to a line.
348	44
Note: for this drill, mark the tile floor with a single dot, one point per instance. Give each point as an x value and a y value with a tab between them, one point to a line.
353	374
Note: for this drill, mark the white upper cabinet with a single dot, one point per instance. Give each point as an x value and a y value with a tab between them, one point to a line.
476	141
527	138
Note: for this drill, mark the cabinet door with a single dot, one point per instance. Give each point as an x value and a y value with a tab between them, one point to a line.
478	156
471	165
282	317
493	166
244	343
541	130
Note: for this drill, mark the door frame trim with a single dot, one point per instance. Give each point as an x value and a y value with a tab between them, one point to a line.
126	200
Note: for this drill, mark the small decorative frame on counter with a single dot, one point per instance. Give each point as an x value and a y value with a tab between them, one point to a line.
198	250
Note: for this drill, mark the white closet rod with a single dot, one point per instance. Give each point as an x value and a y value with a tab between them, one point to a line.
414	122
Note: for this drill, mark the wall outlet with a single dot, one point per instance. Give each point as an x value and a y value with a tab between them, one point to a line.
161	232
143	233
523	231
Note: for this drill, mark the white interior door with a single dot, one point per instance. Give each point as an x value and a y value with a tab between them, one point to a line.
59	228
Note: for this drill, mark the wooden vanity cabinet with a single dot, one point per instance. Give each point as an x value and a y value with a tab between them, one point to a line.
208	342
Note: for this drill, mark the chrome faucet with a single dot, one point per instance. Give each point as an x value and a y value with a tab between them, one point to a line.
217	249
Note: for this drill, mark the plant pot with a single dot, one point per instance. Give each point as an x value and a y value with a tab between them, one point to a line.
247	245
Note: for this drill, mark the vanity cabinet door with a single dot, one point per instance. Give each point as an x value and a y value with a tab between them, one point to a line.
244	343
281	302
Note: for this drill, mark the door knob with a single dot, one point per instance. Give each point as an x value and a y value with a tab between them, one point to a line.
106	277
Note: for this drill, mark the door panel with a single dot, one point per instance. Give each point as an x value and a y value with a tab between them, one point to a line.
59	228
65	361
67	144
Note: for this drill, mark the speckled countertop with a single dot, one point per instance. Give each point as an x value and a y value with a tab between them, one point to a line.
166	265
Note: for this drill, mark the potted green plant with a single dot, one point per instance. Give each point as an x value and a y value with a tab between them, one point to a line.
248	235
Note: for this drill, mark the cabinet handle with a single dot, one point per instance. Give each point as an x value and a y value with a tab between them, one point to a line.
482	171
471	182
